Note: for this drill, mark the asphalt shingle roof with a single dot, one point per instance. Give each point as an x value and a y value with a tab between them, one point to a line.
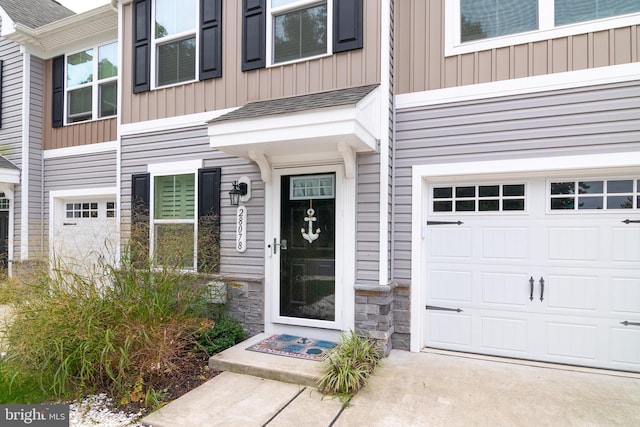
6	164
298	103
35	13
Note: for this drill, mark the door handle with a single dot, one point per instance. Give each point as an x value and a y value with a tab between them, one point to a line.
541	288
531	288
282	244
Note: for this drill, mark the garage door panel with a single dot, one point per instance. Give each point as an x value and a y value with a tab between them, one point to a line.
625	346
447	285
625	295
447	242
505	289
573	292
626	244
500	333
574	340
511	243
451	330
573	244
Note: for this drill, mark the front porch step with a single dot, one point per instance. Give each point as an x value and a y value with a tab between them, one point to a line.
239	360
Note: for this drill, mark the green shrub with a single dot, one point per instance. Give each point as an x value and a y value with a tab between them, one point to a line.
225	333
349	365
75	337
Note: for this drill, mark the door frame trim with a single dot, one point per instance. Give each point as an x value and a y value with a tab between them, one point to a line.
345	257
424	174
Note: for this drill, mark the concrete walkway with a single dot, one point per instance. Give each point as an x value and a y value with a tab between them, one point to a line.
414	389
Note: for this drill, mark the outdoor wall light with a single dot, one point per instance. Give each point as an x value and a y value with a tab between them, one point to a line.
240	191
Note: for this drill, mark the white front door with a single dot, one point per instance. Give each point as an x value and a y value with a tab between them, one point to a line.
543	269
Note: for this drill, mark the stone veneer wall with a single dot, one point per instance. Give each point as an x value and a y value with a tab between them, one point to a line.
245	302
374	313
401	318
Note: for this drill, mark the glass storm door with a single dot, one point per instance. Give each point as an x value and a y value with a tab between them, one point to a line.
307	247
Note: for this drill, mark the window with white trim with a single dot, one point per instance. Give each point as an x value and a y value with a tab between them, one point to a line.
92	83
478	198
175	41
174	219
474	25
299	29
594	194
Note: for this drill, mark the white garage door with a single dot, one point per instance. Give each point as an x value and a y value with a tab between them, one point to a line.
541	269
85	235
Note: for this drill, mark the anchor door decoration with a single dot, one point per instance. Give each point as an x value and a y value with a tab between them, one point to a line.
307	247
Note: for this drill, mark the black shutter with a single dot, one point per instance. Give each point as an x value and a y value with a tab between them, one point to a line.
347	25
209	192
210	39
141	45
254	34
209	220
57	87
140	220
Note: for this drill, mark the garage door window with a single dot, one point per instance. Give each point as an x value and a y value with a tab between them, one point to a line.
590	195
82	210
479	198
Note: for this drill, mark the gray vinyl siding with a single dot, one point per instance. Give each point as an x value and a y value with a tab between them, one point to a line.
36	213
368	219
96	170
139	151
11	130
597	119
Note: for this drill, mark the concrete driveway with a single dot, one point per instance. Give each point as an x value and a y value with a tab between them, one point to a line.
417	389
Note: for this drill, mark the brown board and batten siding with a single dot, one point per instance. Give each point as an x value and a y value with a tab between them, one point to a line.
422	65
138	151
73	135
235	88
595	119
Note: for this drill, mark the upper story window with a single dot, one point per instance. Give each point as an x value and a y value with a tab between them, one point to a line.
91	83
175	41
474	25
299	29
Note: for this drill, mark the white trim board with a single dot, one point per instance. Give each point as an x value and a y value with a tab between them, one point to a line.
80	150
547	82
421	174
172	123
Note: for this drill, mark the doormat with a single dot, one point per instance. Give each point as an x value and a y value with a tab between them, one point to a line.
294	346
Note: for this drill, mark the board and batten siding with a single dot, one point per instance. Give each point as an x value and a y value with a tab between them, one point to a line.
96	170
422	65
588	120
76	134
235	88
138	151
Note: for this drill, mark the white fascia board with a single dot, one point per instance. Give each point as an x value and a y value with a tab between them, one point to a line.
80	150
327	123
7	23
169	123
174	168
547	82
10	176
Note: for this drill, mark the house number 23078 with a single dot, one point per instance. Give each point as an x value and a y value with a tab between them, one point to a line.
241	225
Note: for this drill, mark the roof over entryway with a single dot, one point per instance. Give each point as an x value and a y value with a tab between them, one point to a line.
302	129
9	173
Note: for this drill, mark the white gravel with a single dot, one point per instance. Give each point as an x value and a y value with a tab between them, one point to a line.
98	410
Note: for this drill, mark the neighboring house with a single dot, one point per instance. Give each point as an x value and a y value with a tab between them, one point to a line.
517	178
21	112
438	174
69	141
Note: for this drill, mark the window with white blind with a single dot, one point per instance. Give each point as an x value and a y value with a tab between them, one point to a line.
174	219
473	25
